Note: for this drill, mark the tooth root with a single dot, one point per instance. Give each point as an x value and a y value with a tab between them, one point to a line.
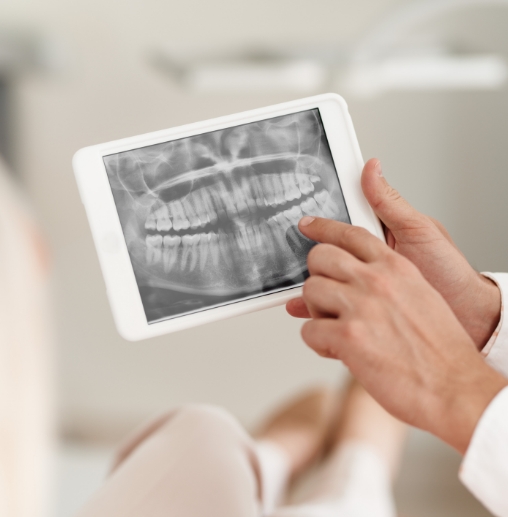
268	189
170	258
214	248
190	212
204	248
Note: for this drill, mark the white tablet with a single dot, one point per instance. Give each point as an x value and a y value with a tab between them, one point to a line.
199	223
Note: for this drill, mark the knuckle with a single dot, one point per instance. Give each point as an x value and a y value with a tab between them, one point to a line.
353	331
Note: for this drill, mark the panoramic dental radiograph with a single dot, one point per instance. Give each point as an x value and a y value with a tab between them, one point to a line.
212	218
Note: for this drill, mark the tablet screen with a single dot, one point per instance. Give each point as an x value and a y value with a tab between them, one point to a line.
212	219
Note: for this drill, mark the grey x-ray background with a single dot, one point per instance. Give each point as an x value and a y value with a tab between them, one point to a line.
211	219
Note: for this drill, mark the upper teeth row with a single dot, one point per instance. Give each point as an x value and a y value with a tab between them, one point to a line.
201	206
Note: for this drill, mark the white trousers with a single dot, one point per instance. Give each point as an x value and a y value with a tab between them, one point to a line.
197	461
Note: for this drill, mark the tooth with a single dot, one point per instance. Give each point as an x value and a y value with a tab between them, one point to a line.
197	203
194	251
290	188
321	197
227	199
304	183
207	200
257	190
179	220
154	241
293	214
151	223
225	247
189	242
172	241
315	179
278	190
240	198
248	194
268	189
310	207
190	212
204	245
170	257
163	221
214	248
153	249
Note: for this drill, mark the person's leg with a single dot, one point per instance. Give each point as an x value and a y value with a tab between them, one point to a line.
356	480
195	462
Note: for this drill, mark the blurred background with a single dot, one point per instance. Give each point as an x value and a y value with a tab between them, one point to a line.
426	86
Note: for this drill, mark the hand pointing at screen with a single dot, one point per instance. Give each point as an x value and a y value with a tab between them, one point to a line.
407	319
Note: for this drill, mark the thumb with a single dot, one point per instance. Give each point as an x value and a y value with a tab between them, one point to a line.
393	210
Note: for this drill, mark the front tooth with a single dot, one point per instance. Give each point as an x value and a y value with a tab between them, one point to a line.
304	183
240	198
227	199
151	223
257	190
248	194
278	190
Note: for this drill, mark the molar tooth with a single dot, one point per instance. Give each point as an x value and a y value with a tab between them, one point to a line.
310	207
172	241
227	200
153	249
151	223
291	190
321	197
304	183
187	241
248	194
163	220
154	241
194	251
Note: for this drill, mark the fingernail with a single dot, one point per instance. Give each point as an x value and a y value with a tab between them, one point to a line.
305	221
378	168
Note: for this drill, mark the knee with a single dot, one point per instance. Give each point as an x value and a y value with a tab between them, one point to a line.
201	419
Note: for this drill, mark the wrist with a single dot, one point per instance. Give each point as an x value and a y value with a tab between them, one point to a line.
463	403
484	310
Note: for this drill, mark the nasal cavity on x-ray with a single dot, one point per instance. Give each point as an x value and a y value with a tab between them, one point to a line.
212	218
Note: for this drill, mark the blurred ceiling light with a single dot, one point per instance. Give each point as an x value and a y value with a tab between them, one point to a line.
446	72
374	66
302	76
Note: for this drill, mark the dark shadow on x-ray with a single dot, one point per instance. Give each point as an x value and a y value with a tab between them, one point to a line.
212	219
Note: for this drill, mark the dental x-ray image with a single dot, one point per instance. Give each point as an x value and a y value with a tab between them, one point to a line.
212	219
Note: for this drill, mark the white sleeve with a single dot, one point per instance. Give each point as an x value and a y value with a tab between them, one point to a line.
496	350
484	470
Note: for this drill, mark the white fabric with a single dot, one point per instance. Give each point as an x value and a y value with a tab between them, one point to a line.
355	482
275	470
484	470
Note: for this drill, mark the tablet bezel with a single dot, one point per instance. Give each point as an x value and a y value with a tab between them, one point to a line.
96	194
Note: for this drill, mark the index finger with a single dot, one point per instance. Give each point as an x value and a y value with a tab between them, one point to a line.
357	241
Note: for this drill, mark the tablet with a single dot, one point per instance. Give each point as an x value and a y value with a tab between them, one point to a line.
199	223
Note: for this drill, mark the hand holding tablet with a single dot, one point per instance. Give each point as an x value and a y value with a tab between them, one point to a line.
199	223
